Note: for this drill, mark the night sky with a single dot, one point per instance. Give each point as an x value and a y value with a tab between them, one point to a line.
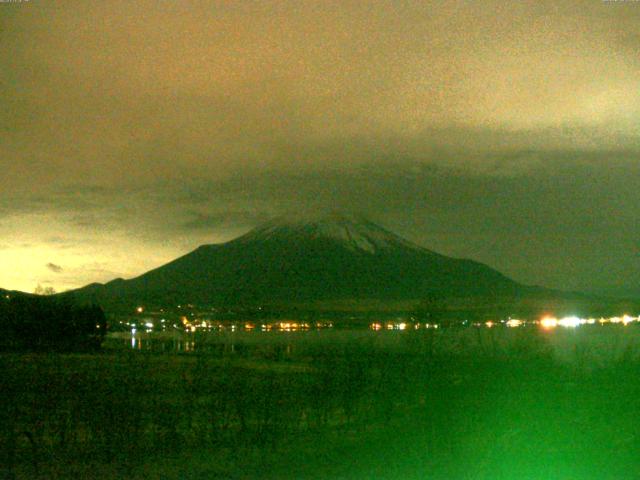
508	132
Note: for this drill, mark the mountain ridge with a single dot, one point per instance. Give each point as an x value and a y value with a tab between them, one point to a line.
285	260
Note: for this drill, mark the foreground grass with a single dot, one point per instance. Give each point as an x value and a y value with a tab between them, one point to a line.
349	411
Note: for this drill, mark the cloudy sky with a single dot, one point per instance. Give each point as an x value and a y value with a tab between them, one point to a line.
508	132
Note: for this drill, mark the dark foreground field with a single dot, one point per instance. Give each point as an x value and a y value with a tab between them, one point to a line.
352	410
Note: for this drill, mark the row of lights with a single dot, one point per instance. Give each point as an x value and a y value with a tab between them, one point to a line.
547	323
552	322
400	326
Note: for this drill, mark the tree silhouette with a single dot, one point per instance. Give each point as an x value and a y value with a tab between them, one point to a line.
30	322
40	290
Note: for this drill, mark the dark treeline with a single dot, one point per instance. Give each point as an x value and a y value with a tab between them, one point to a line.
126	410
349	410
37	323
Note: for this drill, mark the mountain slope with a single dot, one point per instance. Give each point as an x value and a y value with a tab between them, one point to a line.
330	258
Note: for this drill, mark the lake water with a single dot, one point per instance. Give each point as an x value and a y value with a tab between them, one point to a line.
597	343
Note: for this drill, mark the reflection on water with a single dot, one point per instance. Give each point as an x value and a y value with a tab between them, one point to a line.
284	339
201	326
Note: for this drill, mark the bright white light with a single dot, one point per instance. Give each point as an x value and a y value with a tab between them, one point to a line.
513	322
402	326
148	325
571	322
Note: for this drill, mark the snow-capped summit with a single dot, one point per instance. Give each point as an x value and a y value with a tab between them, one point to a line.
354	232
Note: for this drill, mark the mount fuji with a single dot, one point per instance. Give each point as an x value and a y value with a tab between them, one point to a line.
334	257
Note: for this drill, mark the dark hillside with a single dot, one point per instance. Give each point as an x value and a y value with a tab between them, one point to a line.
335	258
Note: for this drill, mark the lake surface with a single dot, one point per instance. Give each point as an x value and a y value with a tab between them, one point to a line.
574	341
